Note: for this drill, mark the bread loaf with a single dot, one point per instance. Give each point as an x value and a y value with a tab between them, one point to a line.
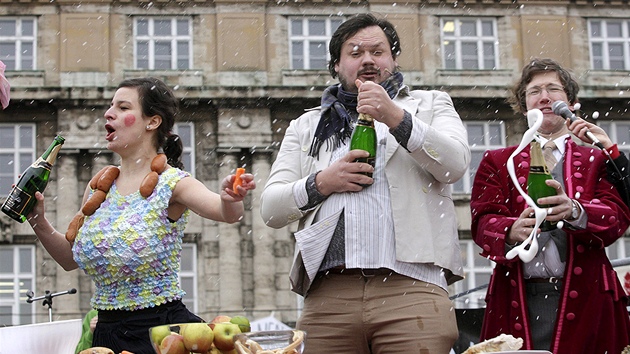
503	342
97	350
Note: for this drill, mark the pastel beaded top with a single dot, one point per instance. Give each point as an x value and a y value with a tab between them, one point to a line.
131	250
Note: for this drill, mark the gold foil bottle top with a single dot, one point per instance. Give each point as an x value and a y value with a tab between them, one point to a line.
365	117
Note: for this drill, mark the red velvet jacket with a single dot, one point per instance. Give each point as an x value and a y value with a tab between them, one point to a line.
592	315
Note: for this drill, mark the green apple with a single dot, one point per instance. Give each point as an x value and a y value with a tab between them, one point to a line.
158	333
224	335
173	344
198	337
242	322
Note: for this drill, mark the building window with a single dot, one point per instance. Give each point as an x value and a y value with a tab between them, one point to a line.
619	133
469	43
477	271
188	275
609	41
482	136
18	42
308	41
17	277
163	43
17	152
186	132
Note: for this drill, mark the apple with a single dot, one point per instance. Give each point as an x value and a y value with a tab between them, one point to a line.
158	333
224	335
198	337
173	344
221	319
242	322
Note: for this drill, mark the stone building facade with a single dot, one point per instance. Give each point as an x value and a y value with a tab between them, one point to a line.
239	91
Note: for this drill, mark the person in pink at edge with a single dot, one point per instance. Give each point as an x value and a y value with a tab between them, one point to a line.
568	299
4	87
130	246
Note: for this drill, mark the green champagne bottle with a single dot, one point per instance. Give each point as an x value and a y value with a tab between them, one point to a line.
536	186
364	138
34	179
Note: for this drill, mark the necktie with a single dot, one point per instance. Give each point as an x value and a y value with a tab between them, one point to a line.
550	160
558	236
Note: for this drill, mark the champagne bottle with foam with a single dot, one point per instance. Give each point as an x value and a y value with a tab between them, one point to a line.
364	138
536	186
21	200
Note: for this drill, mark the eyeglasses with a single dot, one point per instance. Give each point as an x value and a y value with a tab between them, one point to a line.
537	90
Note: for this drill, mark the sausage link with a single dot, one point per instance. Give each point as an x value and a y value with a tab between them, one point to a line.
148	184
74	226
95	201
98	175
107	179
158	164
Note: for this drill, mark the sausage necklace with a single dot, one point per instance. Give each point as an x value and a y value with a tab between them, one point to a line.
102	182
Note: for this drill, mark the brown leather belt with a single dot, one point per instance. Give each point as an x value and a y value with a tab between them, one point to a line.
365	272
552	280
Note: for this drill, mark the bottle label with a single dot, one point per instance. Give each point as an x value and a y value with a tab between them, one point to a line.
17	201
369	160
538	169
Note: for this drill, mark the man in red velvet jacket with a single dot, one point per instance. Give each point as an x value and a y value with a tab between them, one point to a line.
568	298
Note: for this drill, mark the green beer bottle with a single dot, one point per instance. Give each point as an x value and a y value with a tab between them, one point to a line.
364	138
34	179
536	186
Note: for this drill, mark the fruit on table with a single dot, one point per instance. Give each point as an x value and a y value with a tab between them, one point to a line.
173	344
224	335
215	337
221	318
198	337
159	333
242	322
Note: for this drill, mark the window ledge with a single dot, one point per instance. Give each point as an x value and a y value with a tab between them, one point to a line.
494	73
463	83
299	77
191	77
25	78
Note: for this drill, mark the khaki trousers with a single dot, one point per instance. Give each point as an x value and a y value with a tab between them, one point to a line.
353	314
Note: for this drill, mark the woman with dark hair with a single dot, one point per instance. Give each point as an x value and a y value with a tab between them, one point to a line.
128	235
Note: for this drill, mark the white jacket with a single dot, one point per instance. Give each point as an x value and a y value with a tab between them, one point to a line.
423	211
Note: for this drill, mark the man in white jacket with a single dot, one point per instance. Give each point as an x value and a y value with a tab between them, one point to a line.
373	263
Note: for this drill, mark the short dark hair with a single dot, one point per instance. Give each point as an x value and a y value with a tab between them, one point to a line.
353	25
156	98
517	97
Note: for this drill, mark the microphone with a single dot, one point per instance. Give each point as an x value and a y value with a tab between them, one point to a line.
562	109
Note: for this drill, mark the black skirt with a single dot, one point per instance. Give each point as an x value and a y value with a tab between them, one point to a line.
121	330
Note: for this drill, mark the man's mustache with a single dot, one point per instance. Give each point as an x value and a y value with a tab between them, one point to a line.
370	69
374	69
